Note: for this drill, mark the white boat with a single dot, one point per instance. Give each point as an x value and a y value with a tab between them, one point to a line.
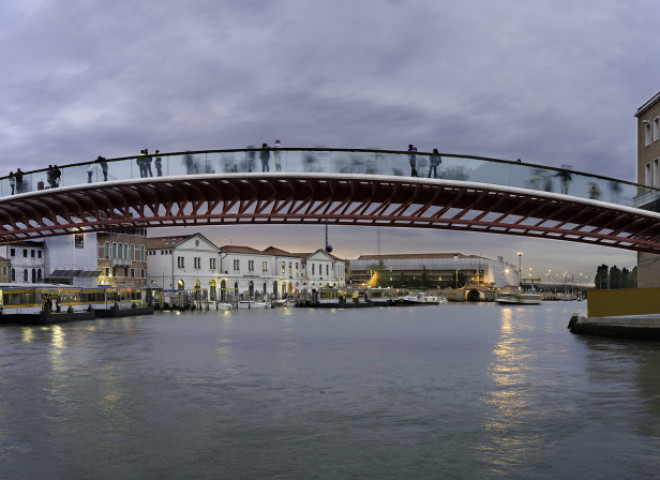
518	299
223	306
284	302
242	304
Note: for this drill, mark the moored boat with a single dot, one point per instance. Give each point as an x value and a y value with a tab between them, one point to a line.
519	298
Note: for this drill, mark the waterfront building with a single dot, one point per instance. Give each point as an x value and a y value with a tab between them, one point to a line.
287	268
437	269
648	173
72	260
122	257
321	268
251	273
186	267
26	262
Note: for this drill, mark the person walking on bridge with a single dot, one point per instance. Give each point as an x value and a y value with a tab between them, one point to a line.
104	167
412	159
264	156
434	161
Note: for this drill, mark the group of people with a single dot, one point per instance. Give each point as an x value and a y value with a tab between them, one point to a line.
16	181
144	161
434	160
53	177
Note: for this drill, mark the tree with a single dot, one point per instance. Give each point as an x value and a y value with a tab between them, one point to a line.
601	281
615	277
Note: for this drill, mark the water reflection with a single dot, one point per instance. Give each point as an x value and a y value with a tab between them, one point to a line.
514	412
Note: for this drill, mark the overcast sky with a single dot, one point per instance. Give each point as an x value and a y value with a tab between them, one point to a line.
554	82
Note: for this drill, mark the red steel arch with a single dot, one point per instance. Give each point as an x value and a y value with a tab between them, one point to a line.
329	199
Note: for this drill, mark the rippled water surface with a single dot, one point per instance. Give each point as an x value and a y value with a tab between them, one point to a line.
454	391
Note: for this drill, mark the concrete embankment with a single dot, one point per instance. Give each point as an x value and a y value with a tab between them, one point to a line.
623	313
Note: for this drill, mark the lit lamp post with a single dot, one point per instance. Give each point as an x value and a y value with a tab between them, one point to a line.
520	254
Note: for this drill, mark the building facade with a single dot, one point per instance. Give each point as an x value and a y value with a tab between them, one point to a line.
72	260
187	268
26	262
321	268
648	173
122	257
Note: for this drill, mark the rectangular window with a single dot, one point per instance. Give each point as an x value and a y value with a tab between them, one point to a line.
283	267
32	253
13	252
297	272
212	263
327	270
656	129
180	262
39	254
647	174
251	265
4	271
647	133
197	261
132	273
313	269
237	265
264	266
25	253
656	173
79	240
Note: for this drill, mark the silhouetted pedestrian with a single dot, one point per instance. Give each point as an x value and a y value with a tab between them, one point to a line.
565	177
12	182
50	176
19	181
264	156
104	167
412	159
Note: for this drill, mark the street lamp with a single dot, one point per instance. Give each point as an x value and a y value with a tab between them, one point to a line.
520	254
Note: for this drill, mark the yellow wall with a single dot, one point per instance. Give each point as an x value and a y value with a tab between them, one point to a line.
623	301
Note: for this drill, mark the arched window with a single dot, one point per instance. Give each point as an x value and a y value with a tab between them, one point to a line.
114	250
132	251
13	275
25	275
106	250
34	275
39	276
126	251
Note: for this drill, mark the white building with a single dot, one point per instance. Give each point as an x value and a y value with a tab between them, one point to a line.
27	261
186	267
320	268
72	259
288	272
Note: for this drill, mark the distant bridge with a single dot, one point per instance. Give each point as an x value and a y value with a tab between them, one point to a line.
335	187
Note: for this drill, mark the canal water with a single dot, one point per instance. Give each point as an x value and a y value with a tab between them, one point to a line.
455	392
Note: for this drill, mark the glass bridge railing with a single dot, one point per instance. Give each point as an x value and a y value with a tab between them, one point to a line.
339	161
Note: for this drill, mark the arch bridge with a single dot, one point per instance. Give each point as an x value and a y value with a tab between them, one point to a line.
330	186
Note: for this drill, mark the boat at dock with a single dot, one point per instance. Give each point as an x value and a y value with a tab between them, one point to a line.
518	298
